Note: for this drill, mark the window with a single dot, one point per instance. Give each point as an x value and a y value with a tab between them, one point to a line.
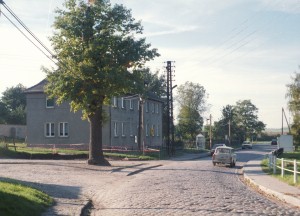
147	106
147	126
115	102
115	129
153	107
157	130
157	111
123	129
122	103
49	129
49	103
131	104
63	129
152	132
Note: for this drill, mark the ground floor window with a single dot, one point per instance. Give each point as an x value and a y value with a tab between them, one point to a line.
49	129
63	129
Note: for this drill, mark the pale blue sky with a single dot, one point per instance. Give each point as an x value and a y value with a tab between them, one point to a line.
236	49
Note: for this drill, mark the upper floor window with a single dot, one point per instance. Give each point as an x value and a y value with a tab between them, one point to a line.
49	129
157	108
131	104
123	103
49	103
63	129
147	106
115	102
153	107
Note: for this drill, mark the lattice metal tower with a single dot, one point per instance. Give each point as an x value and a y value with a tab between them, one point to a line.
170	119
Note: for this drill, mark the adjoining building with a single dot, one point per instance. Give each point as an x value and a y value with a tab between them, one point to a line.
49	124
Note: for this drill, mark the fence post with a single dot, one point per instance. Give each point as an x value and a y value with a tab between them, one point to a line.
282	167
295	171
274	164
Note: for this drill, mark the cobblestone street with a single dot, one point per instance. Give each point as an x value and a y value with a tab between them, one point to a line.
188	188
171	187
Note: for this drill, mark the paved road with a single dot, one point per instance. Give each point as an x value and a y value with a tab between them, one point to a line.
175	188
190	188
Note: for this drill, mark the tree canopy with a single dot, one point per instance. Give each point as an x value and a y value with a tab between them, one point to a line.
12	106
96	45
293	95
191	98
238	122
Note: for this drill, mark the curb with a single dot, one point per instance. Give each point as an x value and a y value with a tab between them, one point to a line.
280	196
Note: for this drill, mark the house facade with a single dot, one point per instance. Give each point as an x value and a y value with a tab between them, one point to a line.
51	124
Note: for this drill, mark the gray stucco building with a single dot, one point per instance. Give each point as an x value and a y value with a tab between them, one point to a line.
51	124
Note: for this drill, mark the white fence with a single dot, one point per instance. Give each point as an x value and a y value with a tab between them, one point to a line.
283	166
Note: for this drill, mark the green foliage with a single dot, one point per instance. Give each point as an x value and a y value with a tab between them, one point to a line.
99	55
95	45
240	120
293	95
191	98
17	199
12	106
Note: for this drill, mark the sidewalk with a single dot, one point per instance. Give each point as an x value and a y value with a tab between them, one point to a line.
270	185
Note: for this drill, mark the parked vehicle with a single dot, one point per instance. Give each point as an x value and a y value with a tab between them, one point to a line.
214	147
274	142
224	155
246	144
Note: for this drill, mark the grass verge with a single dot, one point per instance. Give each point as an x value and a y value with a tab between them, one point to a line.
17	199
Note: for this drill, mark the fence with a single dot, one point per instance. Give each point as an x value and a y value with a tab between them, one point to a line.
284	163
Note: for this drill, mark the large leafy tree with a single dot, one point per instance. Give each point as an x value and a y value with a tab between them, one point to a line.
238	122
95	45
191	98
248	119
293	95
13	105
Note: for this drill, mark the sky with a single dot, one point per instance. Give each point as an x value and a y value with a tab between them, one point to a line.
237	50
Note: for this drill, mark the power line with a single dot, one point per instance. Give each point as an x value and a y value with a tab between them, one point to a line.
26	36
28	30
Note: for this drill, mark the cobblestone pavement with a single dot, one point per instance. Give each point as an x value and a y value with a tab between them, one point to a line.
187	188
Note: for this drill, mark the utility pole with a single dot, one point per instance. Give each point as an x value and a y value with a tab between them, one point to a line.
229	132
210	135
170	119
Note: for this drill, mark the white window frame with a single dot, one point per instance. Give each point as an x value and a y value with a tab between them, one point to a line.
65	129
147	132
49	129
147	106
122	103
51	106
123	129
115	102
115	129
131	104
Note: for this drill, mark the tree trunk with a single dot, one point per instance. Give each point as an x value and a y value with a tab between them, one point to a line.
96	156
